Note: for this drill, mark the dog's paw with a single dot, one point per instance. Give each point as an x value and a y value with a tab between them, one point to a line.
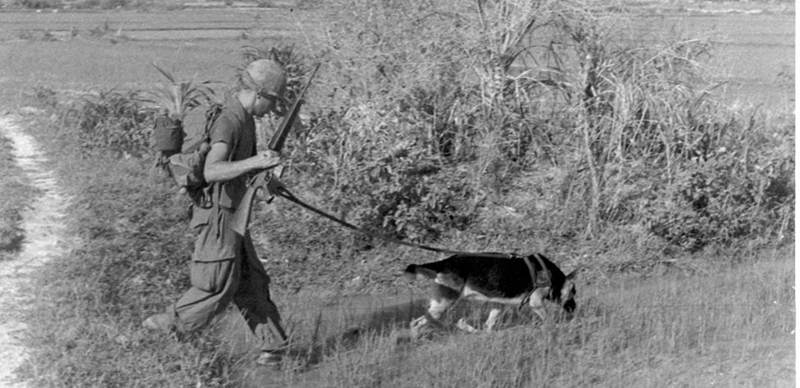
463	325
416	327
418	323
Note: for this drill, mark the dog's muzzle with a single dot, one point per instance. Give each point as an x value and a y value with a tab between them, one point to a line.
569	306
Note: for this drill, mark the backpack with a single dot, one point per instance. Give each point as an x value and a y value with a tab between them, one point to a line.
185	168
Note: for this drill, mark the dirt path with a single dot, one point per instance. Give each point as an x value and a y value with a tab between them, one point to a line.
45	235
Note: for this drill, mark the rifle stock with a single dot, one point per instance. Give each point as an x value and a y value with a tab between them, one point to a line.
241	218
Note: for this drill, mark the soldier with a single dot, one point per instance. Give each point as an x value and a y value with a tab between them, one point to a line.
224	265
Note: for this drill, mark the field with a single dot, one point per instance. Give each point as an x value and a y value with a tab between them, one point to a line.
698	311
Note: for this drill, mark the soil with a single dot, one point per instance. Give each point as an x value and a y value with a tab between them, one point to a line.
45	238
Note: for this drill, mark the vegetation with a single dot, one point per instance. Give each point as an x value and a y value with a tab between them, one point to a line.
663	334
112	120
176	98
429	123
509	125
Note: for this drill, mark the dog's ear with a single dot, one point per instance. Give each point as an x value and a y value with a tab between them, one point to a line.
572	275
414	271
426	272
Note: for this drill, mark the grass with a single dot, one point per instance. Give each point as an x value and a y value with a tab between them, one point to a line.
720	316
732	326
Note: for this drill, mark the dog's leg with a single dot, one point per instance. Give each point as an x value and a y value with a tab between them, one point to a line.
441	299
417	324
488	326
537	302
492	320
463	325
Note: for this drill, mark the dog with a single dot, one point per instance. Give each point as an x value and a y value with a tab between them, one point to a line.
492	277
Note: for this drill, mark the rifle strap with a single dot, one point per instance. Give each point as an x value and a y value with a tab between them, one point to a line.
283	192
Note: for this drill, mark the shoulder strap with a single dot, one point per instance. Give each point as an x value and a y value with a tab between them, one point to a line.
212	114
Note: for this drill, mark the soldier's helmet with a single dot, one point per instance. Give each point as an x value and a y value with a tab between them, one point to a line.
267	78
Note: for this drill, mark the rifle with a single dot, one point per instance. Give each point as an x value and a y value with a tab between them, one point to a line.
241	218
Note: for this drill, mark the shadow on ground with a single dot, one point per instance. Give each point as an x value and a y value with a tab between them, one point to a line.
369	317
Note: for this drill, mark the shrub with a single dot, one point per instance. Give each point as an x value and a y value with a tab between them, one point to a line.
740	185
111	120
417	91
176	98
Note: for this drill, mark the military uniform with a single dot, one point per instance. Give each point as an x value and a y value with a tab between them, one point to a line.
225	266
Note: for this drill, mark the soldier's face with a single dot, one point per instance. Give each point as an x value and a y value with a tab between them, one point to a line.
264	104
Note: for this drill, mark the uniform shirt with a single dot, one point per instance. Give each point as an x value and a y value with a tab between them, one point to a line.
236	128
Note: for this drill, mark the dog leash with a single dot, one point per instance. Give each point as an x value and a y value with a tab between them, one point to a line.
285	193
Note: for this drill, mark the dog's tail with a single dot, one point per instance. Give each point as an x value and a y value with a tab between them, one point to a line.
414	271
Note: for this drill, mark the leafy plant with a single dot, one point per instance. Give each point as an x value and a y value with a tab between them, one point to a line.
111	120
738	187
177	98
502	91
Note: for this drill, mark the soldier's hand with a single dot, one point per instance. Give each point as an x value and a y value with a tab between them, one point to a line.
267	159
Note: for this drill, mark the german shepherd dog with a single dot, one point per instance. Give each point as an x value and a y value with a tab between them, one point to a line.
492	277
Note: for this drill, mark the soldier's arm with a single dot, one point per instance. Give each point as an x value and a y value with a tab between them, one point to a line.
219	169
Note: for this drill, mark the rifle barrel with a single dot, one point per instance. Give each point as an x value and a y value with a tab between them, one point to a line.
276	143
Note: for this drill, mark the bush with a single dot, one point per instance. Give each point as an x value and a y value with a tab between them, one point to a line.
741	186
112	120
426	114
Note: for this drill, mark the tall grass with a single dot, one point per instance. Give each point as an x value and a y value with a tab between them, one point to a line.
432	116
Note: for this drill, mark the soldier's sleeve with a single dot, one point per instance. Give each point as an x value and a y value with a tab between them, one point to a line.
223	131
